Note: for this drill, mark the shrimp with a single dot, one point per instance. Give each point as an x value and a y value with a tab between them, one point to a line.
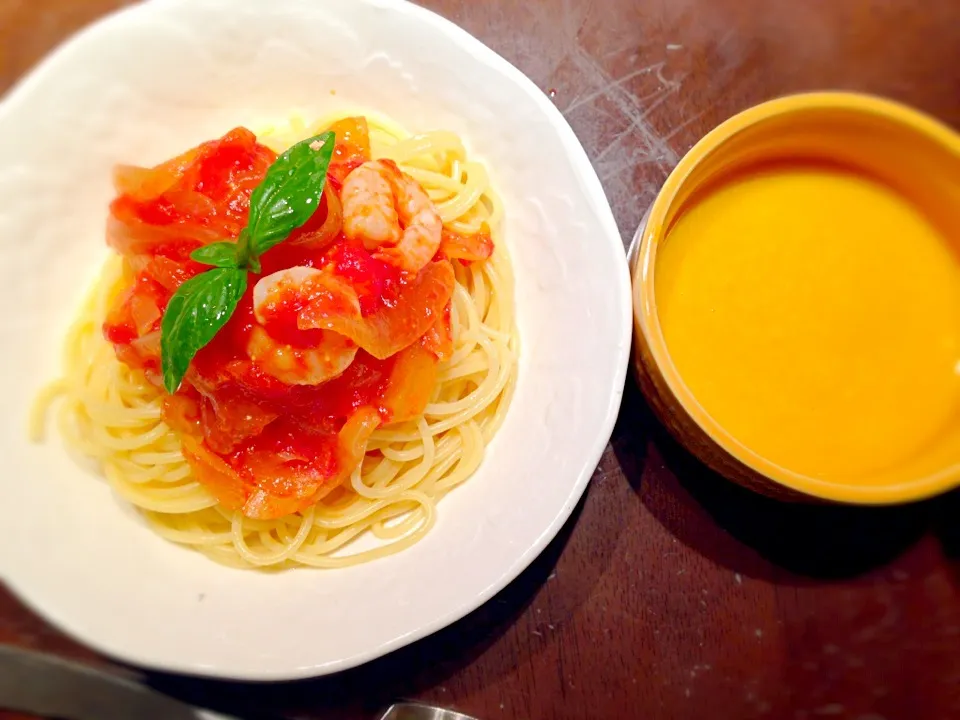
293	365
391	215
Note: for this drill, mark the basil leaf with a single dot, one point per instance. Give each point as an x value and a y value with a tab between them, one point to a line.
290	192
195	314
218	254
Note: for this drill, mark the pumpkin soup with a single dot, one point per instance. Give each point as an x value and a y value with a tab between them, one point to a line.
815	315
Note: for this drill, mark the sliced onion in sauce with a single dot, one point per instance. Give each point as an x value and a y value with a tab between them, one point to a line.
324	235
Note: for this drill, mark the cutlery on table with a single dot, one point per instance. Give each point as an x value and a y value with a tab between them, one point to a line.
50	687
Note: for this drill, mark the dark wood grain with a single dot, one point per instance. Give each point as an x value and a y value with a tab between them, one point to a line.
670	594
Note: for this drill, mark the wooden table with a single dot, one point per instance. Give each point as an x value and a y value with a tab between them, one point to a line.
670	593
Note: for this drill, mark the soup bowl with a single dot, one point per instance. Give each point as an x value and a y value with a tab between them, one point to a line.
910	153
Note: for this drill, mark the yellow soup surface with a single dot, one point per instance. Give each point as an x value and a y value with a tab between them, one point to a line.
815	315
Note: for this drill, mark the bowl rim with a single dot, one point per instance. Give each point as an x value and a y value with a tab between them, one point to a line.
652	231
592	193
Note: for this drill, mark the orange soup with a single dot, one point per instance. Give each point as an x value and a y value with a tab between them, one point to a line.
815	315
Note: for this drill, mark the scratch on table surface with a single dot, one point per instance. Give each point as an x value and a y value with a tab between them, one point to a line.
697	670
660	97
632	108
891	617
510	32
831	709
671	85
599	87
686	123
581	100
727	36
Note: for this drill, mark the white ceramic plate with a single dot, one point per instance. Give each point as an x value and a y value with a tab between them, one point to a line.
143	85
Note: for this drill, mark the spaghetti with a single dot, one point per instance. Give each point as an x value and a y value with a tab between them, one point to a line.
114	414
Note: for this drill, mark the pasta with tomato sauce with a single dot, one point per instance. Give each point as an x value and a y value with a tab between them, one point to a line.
270	394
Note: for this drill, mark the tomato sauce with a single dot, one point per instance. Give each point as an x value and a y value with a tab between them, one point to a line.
261	445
